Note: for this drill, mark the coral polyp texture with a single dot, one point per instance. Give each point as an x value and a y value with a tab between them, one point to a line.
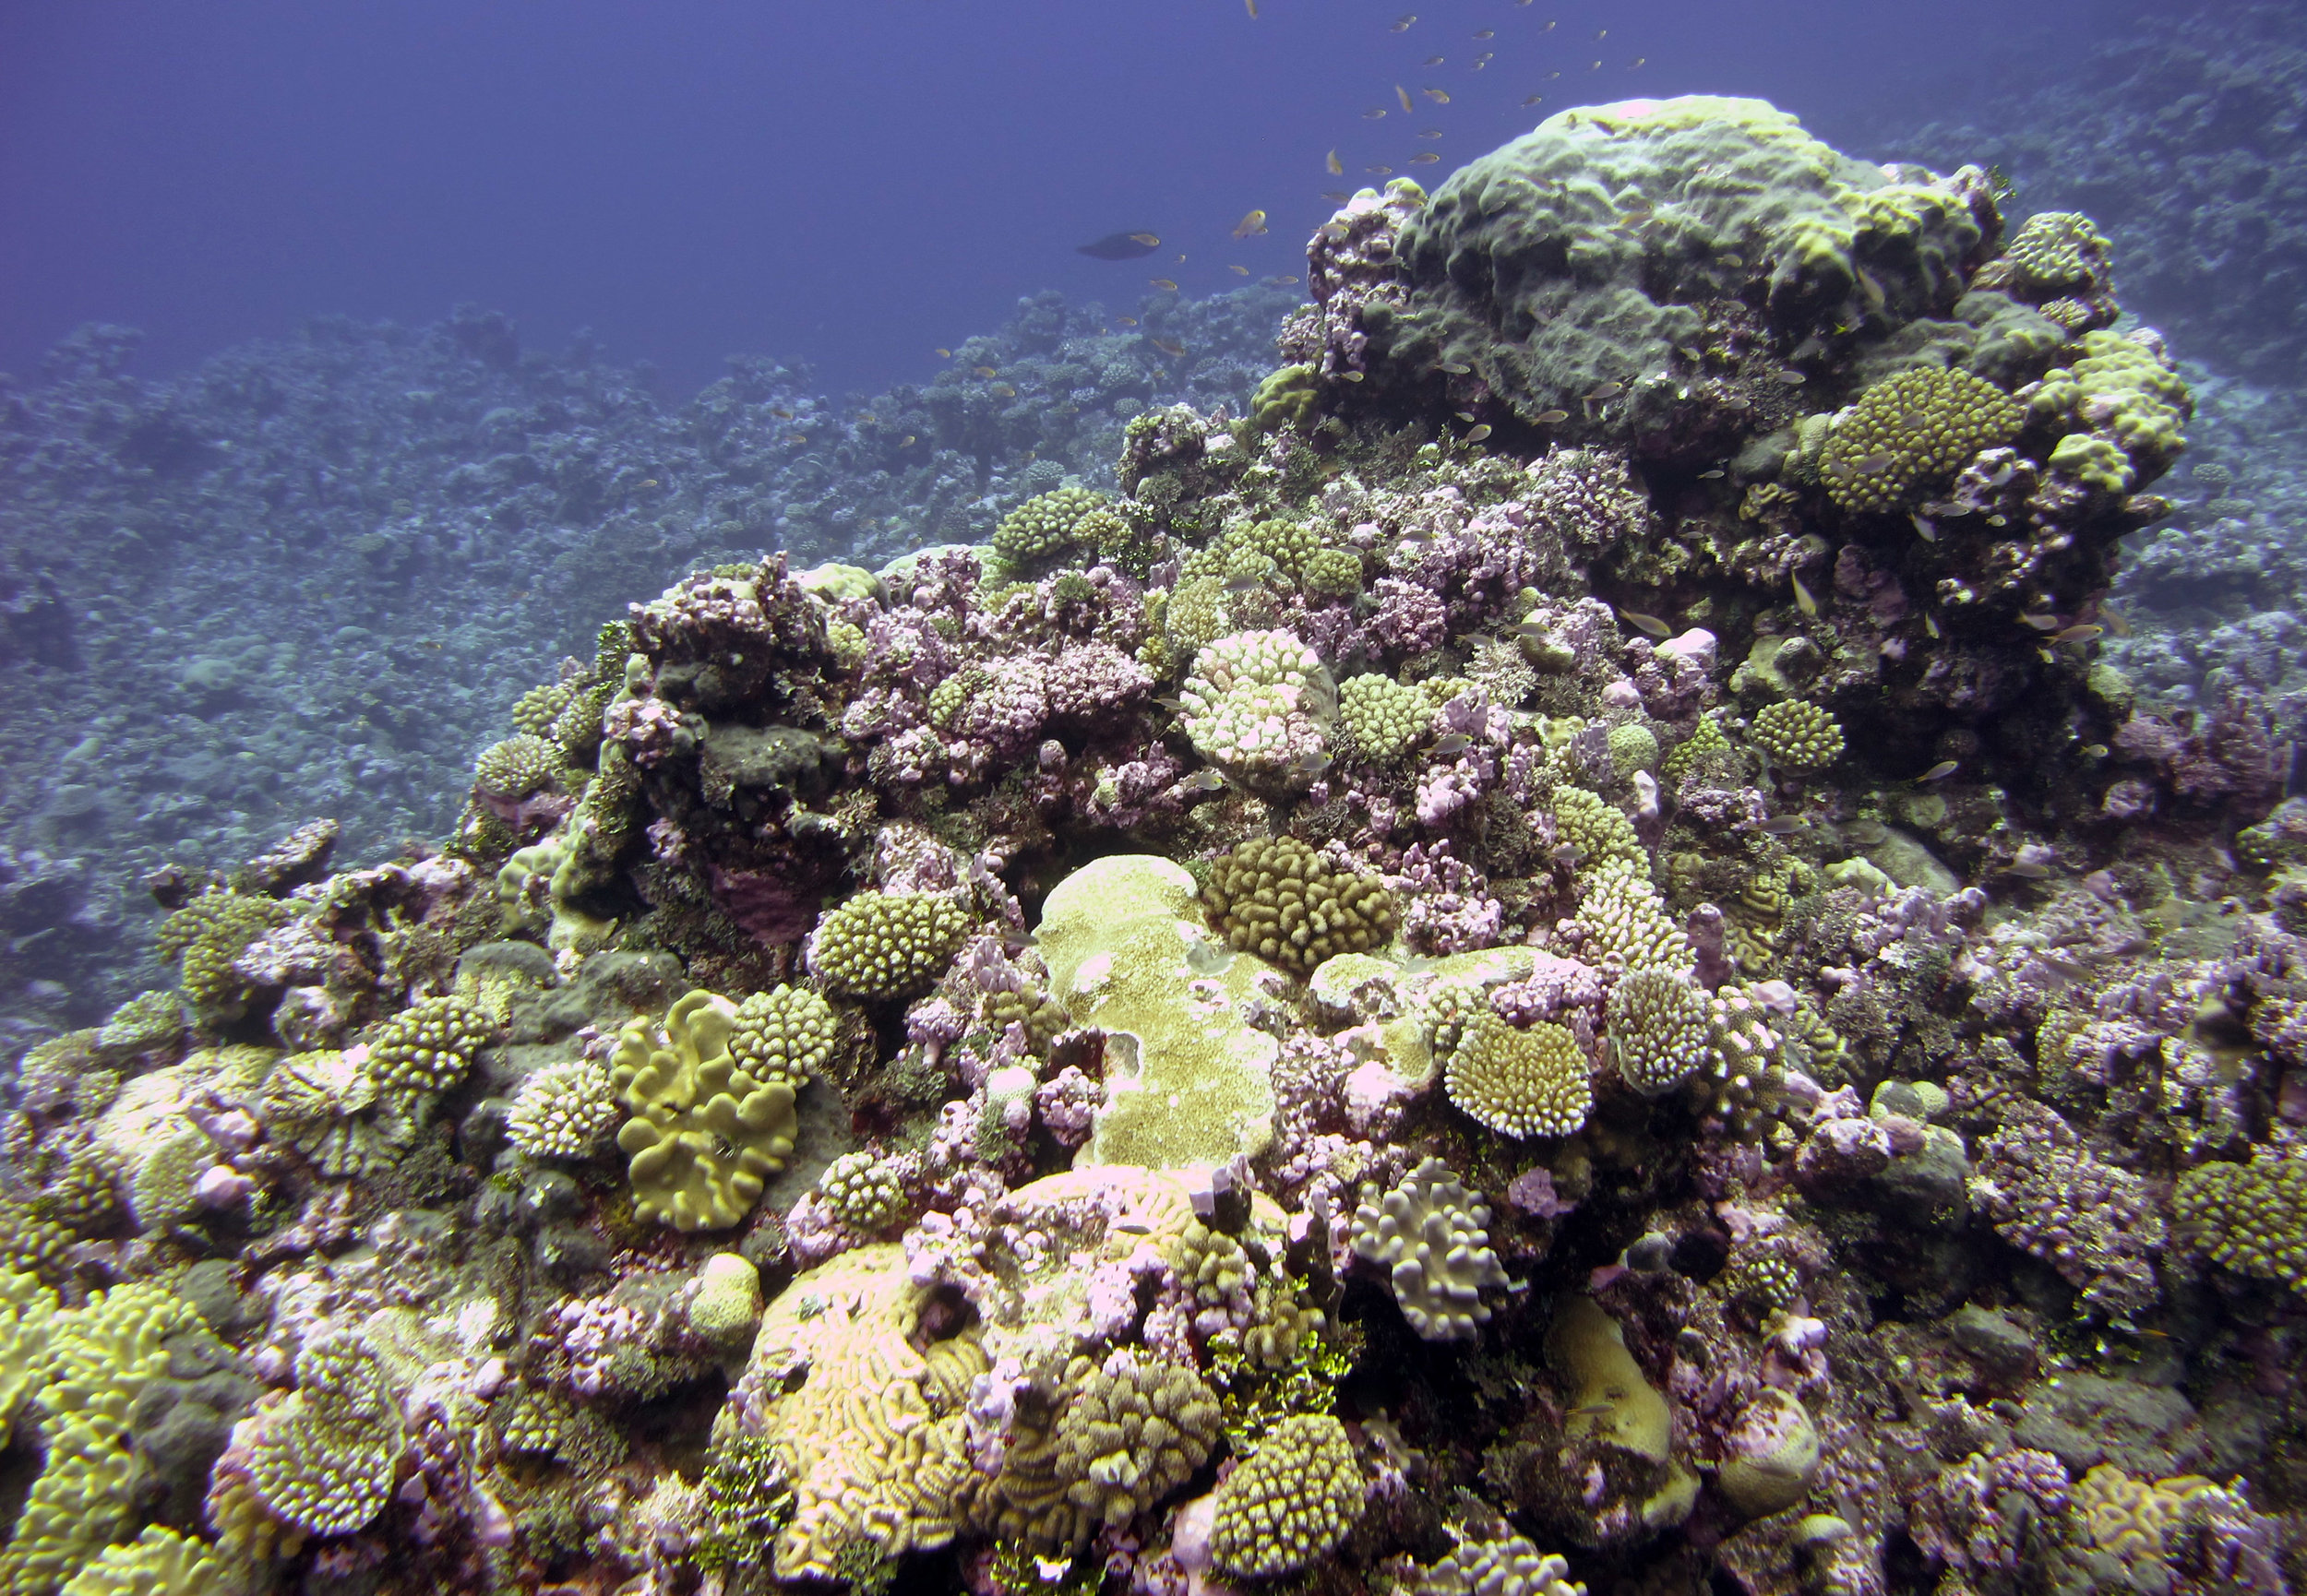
1568	954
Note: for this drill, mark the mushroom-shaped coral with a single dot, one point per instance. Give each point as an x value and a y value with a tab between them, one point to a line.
704	1135
322	1461
1431	1238
1520	1083
2252	1218
887	945
1911	430
1798	733
1259	704
785	1034
1382	717
1658	1023
563	1110
1290	1504
1282	901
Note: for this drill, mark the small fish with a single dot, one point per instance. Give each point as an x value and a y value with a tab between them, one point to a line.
1351	376
1312	762
1455	367
1592	1411
1003	390
1381	169
1552	418
1243	584
2067	966
1865	833
1532	629
1940	771
1486	33
945	355
1253	8
1402	95
1287	279
907	441
1237	271
1715	475
787	414
986	370
1925	527
1594	65
1601	35
1164	284
2041	622
1250	225
1608	390
2094	750
1423	158
1650	624
1465	415
1802	598
1435	60
1121	246
1402	23
1783	824
798	439
1202	781
1450	747
1171	704
1636	62
1335	196
2115	622
1127	320
1439	96
1533	99
1175	351
1477	432
1930	624
1337	167
1873	464
2082	634
2033	869
1792	378
1373	113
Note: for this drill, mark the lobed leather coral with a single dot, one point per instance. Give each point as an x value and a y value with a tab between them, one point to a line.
704	1135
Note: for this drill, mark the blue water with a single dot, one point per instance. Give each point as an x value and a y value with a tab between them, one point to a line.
851	185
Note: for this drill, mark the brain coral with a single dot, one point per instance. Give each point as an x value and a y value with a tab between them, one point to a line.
704	1135
1911	430
1580	255
1430	1237
1288	1506
1520	1083
1280	899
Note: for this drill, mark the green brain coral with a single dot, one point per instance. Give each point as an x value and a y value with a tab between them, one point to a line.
887	945
2252	1218
1910	431
1290	1504
1520	1083
704	1136
1282	901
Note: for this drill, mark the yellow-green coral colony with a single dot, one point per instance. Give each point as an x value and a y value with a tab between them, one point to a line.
1913	431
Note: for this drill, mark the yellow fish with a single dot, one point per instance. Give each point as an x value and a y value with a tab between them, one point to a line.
1286	280
1164	284
1175	351
984	369
1380	171
1430	133
1803	600
945	355
1650	624
907	441
1474	435
1250	225
1151	240
1439	96
1402	24
1404	96
1423	158
1486	33
1337	167
1373	113
1533	100
1127	320
1237	271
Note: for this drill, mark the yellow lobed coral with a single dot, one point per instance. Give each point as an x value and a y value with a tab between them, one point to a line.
887	945
1290	1504
1798	733
1282	901
1382	717
704	1136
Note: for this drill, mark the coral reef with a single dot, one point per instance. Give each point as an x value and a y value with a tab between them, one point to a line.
1620	1002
